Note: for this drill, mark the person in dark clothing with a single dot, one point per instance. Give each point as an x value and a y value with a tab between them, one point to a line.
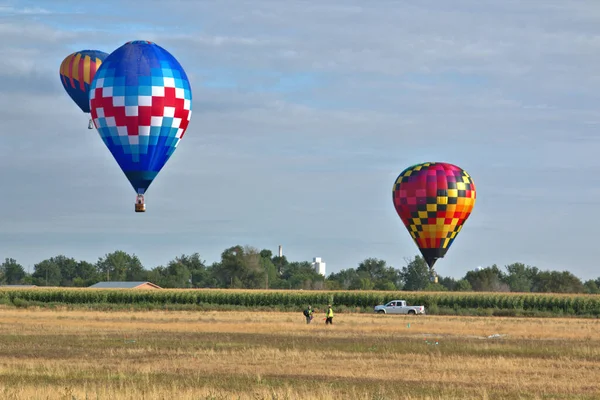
308	313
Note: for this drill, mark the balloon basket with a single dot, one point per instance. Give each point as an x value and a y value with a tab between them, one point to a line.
140	206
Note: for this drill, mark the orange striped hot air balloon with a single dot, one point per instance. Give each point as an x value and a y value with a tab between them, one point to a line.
76	74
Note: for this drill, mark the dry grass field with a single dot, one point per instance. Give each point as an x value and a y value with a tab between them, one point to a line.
60	354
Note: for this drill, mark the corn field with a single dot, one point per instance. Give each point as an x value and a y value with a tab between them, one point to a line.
344	301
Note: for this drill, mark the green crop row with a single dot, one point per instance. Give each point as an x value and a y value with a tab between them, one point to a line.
588	305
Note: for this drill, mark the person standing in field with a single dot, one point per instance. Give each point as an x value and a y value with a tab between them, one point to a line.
308	313
329	316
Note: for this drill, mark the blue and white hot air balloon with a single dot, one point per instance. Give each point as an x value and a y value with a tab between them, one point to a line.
141	104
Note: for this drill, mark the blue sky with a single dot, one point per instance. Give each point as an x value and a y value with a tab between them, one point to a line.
304	114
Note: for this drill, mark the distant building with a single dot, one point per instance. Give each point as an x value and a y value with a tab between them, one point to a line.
125	285
318	265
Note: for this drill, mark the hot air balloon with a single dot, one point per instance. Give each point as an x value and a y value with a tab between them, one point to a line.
433	200
141	105
77	72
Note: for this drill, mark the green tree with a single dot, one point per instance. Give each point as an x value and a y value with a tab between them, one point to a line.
120	266
390	286
435	287
343	279
64	271
301	275
86	274
519	277
68	269
591	287
12	272
182	272
415	274
271	275
280	263
463	285
373	267
265	253
489	279
332	285
381	276
557	282
228	270
199	275
448	282
453	285
255	276
247	267
48	272
240	267
362	281
157	275
177	275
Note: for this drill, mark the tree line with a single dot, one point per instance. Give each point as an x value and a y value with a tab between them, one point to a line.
246	267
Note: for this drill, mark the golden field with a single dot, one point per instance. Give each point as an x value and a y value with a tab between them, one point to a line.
78	354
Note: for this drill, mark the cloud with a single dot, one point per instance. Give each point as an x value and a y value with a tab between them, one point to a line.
8	10
304	114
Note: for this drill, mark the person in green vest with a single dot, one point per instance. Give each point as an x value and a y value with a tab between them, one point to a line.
329	316
308	313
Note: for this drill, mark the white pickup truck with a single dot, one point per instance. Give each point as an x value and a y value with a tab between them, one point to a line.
399	307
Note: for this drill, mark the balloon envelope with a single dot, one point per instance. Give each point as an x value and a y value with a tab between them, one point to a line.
141	103
433	201
77	72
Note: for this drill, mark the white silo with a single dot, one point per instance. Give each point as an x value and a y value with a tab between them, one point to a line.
319	265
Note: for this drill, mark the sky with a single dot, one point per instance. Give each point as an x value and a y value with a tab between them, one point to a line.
304	113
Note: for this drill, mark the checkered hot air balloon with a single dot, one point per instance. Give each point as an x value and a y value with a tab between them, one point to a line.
433	200
77	72
141	103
